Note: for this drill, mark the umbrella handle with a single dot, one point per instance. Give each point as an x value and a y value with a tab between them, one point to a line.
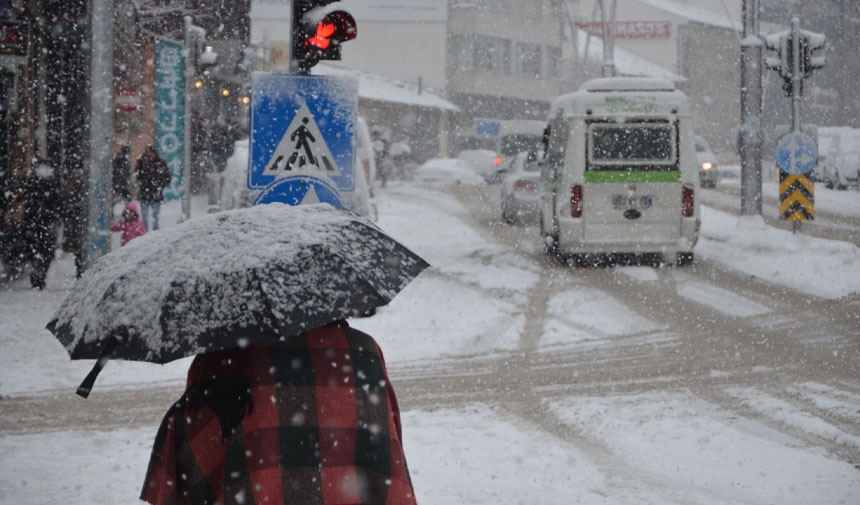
90	380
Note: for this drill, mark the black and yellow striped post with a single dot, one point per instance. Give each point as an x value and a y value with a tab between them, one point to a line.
796	197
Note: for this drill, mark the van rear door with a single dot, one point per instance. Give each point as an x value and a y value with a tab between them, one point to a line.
632	189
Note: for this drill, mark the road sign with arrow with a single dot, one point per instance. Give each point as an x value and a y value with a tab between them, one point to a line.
796	156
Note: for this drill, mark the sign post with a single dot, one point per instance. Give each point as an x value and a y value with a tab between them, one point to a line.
302	131
796	156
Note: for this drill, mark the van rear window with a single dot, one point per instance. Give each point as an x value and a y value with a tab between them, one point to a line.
631	144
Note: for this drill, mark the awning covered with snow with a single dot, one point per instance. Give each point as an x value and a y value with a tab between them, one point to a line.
383	89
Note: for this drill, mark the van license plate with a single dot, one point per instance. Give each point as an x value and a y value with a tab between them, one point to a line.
632	202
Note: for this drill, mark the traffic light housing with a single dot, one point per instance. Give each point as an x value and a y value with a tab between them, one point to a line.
781	44
810	44
318	32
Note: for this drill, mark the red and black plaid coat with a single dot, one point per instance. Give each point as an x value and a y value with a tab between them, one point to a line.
321	426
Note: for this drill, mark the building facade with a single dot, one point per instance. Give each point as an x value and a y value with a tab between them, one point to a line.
504	57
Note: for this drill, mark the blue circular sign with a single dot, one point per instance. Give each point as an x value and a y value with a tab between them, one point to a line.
796	154
300	189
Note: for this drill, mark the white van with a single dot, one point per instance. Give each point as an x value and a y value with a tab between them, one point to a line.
838	157
620	171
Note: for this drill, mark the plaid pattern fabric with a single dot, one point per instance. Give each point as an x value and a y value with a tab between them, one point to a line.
322	427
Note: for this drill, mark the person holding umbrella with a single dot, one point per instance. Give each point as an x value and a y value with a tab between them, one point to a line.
285	403
313	420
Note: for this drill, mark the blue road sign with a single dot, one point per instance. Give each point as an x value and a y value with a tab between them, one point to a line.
299	190
796	154
302	125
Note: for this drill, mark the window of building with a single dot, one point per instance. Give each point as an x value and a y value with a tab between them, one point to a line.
528	59
492	54
478	52
463	52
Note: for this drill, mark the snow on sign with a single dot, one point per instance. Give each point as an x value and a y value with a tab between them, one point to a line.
796	154
302	131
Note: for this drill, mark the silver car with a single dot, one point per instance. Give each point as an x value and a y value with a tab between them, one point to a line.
521	190
707	164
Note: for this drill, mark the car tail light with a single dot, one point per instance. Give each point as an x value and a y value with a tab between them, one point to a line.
525	185
497	160
576	200
688	200
365	164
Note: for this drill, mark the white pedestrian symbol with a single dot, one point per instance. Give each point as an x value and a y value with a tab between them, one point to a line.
302	149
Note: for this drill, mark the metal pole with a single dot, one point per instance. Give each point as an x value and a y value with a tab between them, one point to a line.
796	78
97	229
186	120
608	29
796	82
751	106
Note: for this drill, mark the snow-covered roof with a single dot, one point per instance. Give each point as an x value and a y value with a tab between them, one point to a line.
626	63
709	12
384	89
716	17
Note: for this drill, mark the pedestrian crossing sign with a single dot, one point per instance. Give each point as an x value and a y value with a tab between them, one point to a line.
302	126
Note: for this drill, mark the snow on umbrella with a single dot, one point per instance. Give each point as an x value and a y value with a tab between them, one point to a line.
229	280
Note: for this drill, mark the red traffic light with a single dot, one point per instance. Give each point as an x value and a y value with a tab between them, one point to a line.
336	27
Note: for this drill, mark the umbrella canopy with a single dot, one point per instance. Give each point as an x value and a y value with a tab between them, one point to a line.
231	279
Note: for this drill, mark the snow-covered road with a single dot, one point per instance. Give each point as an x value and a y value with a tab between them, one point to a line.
522	379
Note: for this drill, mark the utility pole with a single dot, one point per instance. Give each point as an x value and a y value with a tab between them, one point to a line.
186	117
750	133
796	74
97	229
608	29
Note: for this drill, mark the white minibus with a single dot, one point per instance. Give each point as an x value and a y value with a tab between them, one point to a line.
620	172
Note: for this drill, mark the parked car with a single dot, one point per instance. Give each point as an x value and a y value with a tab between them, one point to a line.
707	164
521	190
838	157
486	163
446	171
235	194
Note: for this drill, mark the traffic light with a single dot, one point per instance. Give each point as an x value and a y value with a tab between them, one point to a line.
813	45
810	44
781	43
318	32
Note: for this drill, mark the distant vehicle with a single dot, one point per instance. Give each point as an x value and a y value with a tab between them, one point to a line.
447	171
486	163
838	157
707	164
620	172
506	137
521	189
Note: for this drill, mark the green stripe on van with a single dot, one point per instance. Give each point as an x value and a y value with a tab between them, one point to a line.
633	176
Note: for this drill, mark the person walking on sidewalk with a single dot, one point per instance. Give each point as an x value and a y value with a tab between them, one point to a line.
152	177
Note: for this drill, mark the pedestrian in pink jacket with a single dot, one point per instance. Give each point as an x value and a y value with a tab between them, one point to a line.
131	226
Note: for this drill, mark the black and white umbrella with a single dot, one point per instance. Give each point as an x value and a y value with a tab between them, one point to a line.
229	280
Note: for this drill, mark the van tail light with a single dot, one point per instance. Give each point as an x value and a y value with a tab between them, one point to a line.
497	160
688	200
525	185
576	200
365	164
